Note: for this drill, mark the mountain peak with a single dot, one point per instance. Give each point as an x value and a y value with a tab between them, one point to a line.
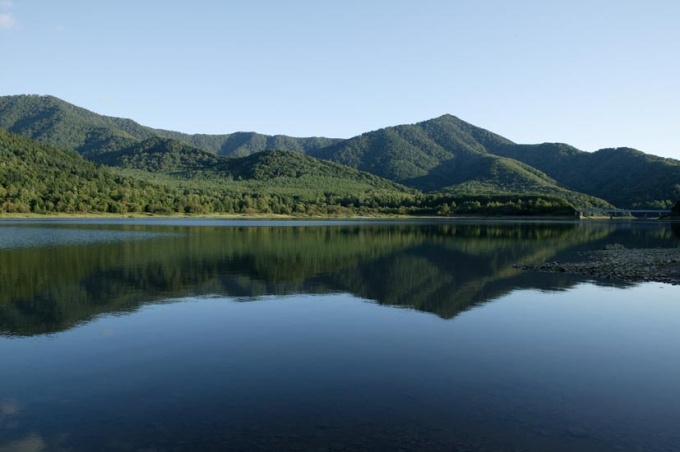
440	154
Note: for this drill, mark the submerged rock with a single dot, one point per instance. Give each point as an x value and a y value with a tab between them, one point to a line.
618	262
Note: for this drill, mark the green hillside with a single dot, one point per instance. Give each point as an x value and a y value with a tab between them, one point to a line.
268	165
38	178
241	144
171	159
409	153
442	155
280	182
448	155
54	121
625	177
159	155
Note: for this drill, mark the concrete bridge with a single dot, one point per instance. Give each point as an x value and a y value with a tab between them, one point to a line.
644	213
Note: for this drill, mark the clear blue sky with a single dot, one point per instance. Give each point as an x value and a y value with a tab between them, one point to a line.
591	73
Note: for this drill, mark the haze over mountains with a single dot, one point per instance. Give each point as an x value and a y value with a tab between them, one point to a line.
443	155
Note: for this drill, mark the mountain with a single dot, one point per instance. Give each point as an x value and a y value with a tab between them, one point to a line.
179	159
408	153
241	144
269	165
447	154
433	155
623	176
39	178
54	121
441	155
159	155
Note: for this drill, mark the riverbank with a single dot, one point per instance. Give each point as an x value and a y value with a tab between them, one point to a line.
619	263
269	216
78	216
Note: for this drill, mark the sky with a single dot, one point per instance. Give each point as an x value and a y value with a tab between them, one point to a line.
591	73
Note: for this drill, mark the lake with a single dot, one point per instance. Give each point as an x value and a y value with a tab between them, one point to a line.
155	335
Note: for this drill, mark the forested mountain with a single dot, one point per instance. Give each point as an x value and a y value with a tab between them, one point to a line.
623	176
181	160
268	165
54	121
159	155
442	155
241	144
447	154
38	178
409	153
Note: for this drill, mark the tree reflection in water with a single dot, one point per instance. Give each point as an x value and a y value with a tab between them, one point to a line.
441	268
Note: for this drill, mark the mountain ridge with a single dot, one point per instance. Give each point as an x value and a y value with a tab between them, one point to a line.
50	119
439	155
41	179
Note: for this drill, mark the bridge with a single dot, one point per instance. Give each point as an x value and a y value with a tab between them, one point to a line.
644	213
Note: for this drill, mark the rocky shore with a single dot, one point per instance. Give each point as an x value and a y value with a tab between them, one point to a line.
618	262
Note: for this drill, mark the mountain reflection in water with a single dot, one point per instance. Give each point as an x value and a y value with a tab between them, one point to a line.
441	268
186	335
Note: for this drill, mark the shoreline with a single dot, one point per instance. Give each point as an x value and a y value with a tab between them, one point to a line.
31	216
618	263
263	216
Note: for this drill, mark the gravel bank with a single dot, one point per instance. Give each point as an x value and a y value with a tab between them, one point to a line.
617	262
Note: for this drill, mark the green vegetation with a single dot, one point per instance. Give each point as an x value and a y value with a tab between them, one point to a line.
51	120
623	176
430	168
449	155
409	153
159	155
37	178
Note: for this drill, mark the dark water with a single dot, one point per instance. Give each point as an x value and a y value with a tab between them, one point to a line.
212	335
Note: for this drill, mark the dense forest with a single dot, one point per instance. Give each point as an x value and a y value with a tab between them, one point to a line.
38	178
59	123
442	166
447	154
623	176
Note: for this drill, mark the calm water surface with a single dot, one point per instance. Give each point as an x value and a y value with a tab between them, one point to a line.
181	335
